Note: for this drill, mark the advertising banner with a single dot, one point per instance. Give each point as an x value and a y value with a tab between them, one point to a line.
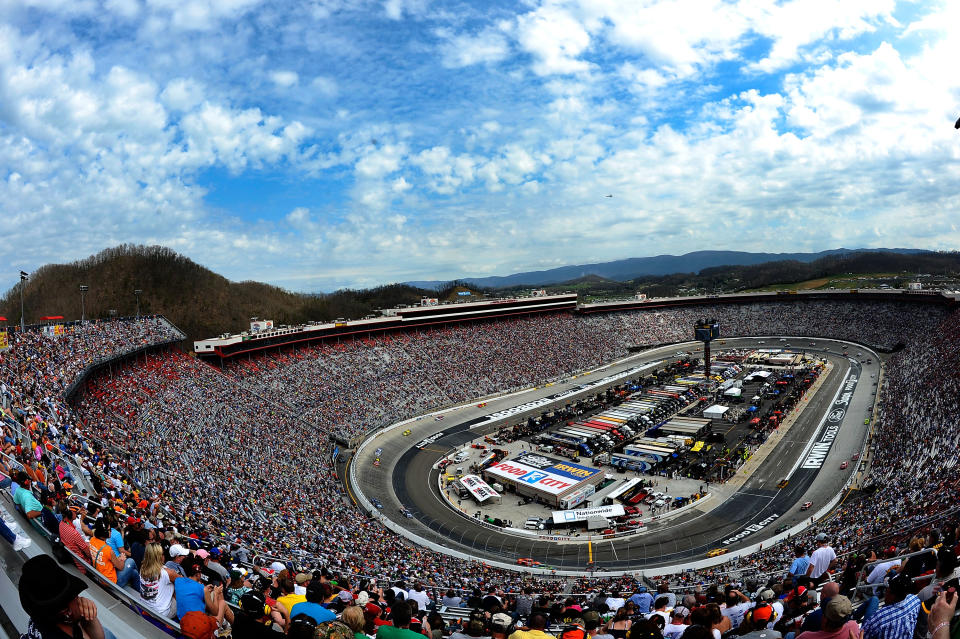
583	514
480	490
548	482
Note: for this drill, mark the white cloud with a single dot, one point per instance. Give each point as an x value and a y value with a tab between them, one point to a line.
284	79
555	40
463	50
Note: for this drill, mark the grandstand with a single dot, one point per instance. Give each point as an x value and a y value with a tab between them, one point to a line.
239	456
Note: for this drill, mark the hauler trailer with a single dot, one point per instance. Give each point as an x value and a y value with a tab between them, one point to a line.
652	452
566	444
629	462
601	497
612	435
590	435
622	489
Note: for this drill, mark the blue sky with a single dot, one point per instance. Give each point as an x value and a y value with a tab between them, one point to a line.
323	144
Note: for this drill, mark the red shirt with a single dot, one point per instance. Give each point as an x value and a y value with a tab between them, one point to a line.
75	542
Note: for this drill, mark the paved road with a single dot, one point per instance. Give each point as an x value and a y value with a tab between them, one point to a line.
406	476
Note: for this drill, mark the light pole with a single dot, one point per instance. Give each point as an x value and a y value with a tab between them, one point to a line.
137	292
83	310
24	276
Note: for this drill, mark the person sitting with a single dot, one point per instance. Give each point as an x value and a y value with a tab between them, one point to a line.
50	597
156	582
312	605
107	563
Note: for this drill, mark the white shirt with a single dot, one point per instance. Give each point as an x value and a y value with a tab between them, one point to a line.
736	613
820	560
615	603
880	571
674	630
420	597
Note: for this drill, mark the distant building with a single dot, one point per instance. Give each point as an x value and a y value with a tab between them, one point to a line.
914	286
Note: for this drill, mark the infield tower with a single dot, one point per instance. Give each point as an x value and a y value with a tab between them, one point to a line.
706	331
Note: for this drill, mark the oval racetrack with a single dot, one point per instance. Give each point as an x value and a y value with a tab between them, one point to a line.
406	477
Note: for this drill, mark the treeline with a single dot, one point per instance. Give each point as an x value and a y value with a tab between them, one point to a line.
194	298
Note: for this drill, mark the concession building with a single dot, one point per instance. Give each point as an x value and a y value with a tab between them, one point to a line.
555	482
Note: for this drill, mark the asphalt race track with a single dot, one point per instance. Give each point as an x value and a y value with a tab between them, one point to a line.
406	476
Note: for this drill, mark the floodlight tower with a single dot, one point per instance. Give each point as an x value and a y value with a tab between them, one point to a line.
706	331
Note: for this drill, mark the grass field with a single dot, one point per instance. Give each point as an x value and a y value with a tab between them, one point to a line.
836	281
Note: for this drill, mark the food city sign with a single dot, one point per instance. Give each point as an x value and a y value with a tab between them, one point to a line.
544	480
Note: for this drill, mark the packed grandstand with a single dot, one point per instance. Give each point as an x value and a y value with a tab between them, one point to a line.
239	459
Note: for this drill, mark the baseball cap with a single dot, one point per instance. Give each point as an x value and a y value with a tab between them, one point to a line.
838	609
202	554
762	613
767	595
216	552
681	611
372	608
363	598
133	520
303	578
822	537
502	619
176	550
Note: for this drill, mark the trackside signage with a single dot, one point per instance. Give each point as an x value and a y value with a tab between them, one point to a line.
557	467
514	471
749	530
583	514
546	401
818	452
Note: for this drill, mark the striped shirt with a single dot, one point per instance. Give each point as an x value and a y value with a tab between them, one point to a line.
894	621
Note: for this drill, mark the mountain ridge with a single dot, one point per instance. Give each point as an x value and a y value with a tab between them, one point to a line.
634	267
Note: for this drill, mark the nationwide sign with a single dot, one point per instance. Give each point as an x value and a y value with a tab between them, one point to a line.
480	490
818	452
514	471
749	530
546	401
583	514
557	467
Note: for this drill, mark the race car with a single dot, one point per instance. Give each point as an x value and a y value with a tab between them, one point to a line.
783	483
481	404
376	462
438	418
527	561
806	506
716	552
406	432
844	465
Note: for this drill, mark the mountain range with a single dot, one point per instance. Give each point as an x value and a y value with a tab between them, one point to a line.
634	267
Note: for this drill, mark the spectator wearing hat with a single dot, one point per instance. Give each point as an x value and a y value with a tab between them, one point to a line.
835	622
177	554
755	622
312	605
898	618
300	583
50	597
536	628
799	566
814	620
500	624
821	560
199	607
107	563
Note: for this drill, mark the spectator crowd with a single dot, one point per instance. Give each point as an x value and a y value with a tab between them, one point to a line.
234	464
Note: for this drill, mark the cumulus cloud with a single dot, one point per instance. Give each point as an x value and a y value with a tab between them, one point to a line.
448	141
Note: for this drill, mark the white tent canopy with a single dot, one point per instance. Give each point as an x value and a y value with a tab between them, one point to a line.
715	412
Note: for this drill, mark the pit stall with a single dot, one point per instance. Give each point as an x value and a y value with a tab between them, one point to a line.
555	482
